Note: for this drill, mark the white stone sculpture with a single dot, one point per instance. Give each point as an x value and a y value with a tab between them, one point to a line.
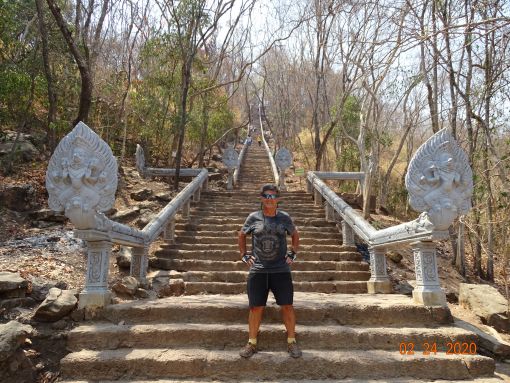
283	158
140	161
440	181
82	178
230	158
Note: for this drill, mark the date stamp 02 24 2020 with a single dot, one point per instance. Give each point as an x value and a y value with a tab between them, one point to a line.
452	348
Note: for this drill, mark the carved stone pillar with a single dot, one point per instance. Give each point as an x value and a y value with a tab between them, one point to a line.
139	263
169	233
347	235
428	290
317	197
99	248
196	196
185	209
379	282
330	212
230	184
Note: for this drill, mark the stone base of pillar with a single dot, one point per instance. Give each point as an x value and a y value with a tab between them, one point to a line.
379	287
429	297
94	299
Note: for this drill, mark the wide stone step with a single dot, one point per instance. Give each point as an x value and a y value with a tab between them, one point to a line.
297	276
233	255
198	245
187	237
243	212
226	288
311	308
221	230
218	220
393	380
226	364
208	265
225	227
272	337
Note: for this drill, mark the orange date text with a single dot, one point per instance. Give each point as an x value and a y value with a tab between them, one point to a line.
452	348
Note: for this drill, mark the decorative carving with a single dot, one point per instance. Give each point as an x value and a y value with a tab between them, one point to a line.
440	180
140	161
82	178
230	158
283	158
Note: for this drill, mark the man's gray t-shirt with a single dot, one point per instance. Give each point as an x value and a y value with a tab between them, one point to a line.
269	241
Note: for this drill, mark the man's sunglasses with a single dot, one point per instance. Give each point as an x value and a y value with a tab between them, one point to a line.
269	196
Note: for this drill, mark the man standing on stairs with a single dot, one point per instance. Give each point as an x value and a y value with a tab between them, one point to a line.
269	267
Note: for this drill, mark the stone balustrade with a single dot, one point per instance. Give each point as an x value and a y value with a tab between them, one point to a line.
440	185
274	168
81	180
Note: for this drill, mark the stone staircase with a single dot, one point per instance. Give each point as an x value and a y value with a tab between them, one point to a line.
344	332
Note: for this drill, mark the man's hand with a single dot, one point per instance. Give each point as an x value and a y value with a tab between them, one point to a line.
290	257
248	259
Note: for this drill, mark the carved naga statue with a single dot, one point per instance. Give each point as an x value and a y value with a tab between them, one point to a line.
82	178
440	182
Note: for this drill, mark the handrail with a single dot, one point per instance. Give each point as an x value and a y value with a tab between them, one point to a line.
242	154
268	151
440	185
82	180
405	232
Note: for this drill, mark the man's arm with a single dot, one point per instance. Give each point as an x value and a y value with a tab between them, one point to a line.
295	241
242	248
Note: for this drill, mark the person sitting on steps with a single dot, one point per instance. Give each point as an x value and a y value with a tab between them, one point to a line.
269	265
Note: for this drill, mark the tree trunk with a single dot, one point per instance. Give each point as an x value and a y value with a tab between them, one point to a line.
52	95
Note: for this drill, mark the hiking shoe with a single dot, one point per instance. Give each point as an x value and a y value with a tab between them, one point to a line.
248	350
294	350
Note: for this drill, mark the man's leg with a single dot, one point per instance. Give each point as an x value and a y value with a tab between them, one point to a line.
289	319
254	320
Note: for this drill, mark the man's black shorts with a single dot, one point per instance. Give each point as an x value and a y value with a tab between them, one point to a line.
280	284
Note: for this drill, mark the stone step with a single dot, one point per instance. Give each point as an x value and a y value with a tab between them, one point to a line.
233	255
297	276
225	227
231	239
209	265
219	220
227	288
199	245
243	212
311	309
226	364
249	199
220	336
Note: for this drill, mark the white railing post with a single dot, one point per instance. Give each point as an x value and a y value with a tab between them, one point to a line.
139	263
169	232
99	249
185	209
309	186
196	196
379	282
330	212
428	290
230	180
347	235
317	198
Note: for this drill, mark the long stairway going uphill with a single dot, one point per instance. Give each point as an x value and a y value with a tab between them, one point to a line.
344	332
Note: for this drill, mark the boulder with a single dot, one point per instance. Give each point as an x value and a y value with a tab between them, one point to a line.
161	197
12	285
124	258
17	197
57	305
394	256
126	214
486	302
40	289
24	150
12	336
47	215
175	287
126	286
141	195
